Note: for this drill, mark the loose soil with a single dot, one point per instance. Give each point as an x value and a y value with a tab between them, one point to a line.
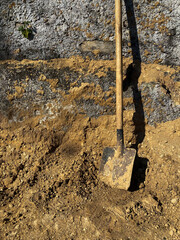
50	187
49	184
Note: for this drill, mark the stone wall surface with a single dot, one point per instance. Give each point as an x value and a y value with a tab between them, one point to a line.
62	28
71	52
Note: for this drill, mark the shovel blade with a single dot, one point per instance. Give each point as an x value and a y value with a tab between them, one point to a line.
116	171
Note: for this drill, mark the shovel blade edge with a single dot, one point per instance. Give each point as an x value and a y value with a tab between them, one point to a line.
117	171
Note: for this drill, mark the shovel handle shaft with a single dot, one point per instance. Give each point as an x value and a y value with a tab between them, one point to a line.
119	72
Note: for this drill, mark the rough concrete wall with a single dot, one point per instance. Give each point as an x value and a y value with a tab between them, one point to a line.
151	29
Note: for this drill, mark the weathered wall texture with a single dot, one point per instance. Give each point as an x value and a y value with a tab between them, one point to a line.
85	83
45	89
151	29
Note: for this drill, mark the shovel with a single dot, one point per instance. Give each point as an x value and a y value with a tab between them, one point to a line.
117	163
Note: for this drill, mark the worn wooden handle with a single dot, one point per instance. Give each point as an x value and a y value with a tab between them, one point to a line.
119	71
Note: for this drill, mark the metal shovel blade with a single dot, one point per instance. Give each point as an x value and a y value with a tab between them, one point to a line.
116	170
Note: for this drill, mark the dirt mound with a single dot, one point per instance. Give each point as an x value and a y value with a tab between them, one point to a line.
50	187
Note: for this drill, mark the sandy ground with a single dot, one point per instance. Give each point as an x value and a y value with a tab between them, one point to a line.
49	182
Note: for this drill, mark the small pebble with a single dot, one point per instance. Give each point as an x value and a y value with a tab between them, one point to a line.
174	201
141	185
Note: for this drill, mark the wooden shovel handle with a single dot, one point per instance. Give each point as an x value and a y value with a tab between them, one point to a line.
119	71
